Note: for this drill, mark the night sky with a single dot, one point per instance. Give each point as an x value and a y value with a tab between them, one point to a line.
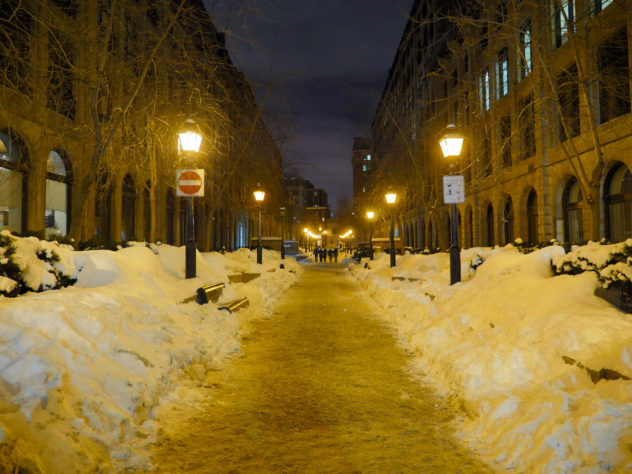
324	64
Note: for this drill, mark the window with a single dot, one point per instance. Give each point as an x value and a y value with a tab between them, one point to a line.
11	198
484	89
363	167
503	73
368	157
526	126
526	54
602	5
364	189
508	222
614	85
568	97
564	20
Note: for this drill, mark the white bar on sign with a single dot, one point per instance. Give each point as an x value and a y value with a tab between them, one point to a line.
189	182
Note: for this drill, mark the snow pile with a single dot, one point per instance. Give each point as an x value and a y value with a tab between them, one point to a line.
84	368
539	363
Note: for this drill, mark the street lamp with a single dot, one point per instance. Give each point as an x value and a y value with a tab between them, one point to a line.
391	197
453	192
282	233
260	195
189	141
370	215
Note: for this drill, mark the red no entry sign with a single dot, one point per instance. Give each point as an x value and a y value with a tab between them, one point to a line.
190	183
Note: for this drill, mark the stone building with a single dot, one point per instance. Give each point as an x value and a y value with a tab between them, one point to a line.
93	95
540	90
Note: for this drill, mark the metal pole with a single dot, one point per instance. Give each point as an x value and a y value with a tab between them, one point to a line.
259	250
370	240
455	252
190	270
392	241
282	239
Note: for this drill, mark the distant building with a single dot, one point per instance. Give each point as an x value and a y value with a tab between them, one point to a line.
363	166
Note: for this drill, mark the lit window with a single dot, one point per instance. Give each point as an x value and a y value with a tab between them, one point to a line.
484	89
363	189
363	167
368	157
601	5
526	54
503	73
564	19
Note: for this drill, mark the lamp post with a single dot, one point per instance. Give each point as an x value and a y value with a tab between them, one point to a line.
189	140
370	215
391	198
453	192
282	233
260	195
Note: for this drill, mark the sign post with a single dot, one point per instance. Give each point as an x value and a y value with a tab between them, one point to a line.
454	193
190	183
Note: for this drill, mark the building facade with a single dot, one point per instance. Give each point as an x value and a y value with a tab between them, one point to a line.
94	94
541	92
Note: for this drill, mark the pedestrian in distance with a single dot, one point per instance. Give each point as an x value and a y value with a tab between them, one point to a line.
323	255
330	253
316	252
336	255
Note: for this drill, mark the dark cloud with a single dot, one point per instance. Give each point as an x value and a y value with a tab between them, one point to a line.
324	64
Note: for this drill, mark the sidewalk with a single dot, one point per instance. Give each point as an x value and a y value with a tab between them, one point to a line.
321	387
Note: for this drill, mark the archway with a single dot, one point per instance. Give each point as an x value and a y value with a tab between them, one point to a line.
532	217
58	199
13	183
572	207
618	203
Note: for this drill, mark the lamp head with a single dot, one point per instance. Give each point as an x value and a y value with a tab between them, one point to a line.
451	142
370	214
259	193
189	138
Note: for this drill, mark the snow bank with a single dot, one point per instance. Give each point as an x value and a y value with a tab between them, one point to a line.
519	348
84	368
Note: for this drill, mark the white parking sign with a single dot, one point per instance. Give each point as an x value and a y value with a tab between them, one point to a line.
453	189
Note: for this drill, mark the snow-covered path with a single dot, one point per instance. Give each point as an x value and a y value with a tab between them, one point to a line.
320	386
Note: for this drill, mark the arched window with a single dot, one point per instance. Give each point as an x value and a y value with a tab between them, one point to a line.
572	204
57	213
532	217
618	200
12	185
129	207
508	222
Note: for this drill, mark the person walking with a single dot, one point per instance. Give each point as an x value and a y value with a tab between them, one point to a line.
336	255
316	254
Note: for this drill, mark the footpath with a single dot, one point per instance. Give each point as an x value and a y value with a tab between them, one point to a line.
320	386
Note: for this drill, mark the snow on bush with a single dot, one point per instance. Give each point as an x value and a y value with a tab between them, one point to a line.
30	264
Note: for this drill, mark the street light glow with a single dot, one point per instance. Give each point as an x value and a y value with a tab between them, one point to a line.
451	142
189	139
370	214
259	193
391	197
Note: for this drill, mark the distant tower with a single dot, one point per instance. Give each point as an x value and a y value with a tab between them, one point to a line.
363	166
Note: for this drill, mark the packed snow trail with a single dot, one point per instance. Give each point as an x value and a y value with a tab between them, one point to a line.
320	386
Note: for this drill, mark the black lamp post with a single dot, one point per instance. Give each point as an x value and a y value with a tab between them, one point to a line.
451	144
282	233
260	195
391	198
370	215
190	141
